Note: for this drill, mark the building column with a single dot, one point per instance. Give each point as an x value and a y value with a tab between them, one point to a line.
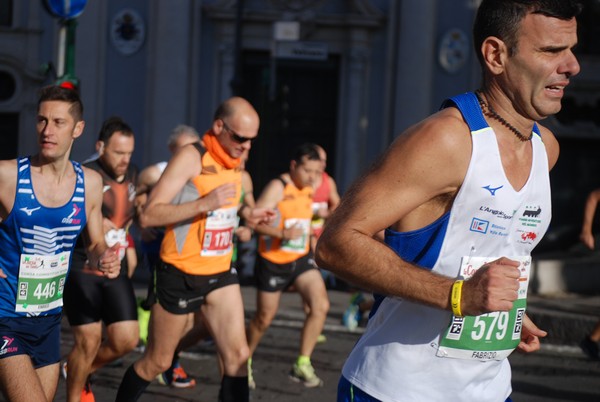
353	120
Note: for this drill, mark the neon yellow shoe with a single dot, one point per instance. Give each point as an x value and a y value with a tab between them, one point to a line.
143	322
305	374
251	383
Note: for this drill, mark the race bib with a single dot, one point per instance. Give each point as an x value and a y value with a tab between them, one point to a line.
41	282
491	336
297	245
117	236
218	232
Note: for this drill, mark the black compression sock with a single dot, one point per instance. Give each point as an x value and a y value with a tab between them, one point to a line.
132	386
234	389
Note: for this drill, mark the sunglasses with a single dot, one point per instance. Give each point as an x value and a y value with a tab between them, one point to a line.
235	136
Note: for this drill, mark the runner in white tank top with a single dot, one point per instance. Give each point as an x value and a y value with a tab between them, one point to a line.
463	197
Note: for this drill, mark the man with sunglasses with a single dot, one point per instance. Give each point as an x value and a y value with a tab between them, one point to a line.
198	199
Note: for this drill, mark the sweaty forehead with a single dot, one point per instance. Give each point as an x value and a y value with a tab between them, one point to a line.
548	31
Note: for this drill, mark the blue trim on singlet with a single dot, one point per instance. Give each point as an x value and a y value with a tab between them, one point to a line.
420	247
468	104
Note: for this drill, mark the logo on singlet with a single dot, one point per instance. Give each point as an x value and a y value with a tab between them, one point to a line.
29	211
479	225
531	213
70	219
492	190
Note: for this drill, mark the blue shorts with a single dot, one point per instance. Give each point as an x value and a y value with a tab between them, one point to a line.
347	392
350	393
37	337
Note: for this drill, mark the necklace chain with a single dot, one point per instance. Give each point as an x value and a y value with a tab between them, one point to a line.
492	113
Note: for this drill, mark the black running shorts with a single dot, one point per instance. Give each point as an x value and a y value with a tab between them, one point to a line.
271	277
181	293
91	298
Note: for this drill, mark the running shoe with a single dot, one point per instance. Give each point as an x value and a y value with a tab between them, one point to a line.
176	377
305	374
590	348
251	383
86	393
143	321
352	317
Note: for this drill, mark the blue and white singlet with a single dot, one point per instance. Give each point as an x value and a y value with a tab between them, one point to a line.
412	352
36	243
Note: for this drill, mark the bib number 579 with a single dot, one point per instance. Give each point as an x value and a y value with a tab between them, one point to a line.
490	325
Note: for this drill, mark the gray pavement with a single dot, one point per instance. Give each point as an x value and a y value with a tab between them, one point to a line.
272	360
567	317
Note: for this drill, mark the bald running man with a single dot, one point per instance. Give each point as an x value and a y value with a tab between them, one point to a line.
198	199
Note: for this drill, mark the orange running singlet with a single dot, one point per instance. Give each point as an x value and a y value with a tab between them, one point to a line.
203	245
294	210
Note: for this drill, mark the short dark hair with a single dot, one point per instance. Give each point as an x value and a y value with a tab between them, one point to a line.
308	150
502	19
111	126
58	93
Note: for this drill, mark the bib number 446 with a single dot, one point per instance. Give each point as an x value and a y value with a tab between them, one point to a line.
45	290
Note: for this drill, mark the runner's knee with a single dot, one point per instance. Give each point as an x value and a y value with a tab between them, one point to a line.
319	307
262	320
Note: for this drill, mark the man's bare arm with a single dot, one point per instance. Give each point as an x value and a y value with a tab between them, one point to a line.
268	200
334	195
8	185
185	165
99	254
586	235
412	186
147	178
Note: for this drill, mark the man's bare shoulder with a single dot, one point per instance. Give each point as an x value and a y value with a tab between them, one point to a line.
551	145
92	178
150	170
148	177
8	186
414	181
187	158
8	167
442	140
8	172
271	194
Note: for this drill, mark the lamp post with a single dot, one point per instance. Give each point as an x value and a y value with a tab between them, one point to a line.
67	11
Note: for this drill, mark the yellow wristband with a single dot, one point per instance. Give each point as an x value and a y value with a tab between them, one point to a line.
455	298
